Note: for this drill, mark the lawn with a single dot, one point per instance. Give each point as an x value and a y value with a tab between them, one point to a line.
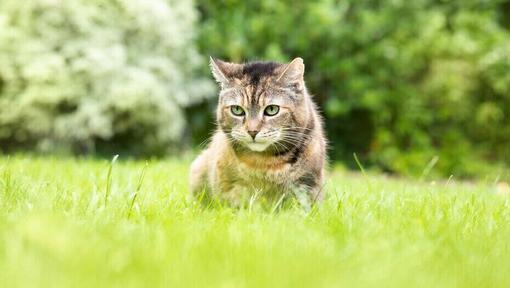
65	223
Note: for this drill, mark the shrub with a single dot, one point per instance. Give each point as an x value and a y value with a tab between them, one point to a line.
399	81
97	75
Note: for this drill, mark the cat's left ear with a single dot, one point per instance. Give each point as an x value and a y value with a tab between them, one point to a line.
292	73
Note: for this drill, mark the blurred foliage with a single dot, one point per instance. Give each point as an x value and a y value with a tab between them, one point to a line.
400	82
97	76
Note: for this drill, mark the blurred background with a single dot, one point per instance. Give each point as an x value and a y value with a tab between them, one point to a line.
406	85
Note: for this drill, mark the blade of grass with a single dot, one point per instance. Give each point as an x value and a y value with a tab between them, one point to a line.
359	164
137	190
278	204
429	167
109	180
449	180
362	171
253	198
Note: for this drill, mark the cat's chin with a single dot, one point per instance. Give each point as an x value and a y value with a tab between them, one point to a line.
257	147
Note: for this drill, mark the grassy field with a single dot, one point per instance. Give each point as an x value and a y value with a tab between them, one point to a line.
57	230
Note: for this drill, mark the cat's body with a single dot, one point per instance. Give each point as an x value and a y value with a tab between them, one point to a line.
269	140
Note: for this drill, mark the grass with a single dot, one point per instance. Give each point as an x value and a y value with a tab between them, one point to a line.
372	231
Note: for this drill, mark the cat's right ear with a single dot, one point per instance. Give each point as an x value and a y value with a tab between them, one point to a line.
223	71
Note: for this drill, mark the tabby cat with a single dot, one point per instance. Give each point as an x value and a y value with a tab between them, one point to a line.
269	140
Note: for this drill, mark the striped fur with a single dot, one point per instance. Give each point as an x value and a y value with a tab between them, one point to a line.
287	154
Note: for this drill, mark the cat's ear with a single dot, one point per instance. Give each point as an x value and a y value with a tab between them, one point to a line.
292	73
223	71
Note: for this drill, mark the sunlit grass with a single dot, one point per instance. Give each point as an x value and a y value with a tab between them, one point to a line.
66	223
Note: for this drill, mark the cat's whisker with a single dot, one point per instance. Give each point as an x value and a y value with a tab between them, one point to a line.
298	136
296	139
289	143
296	128
293	142
277	147
282	145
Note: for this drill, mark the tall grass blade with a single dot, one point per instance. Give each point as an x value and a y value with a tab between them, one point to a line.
429	167
359	164
137	190
278	204
362	169
109	180
253	198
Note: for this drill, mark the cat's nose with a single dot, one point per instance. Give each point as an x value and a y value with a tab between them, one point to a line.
253	133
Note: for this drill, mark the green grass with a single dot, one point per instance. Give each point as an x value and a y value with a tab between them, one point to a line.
371	231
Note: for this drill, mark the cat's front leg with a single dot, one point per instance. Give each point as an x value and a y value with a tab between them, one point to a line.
227	187
308	191
198	185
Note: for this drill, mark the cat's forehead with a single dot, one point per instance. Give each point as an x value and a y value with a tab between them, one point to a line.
255	84
254	73
261	93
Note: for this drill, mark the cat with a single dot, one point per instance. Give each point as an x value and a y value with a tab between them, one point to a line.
269	139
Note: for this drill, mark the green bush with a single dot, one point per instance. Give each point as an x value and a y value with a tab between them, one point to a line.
97	75
400	82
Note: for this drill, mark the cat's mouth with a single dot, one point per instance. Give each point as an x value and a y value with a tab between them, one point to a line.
257	146
260	144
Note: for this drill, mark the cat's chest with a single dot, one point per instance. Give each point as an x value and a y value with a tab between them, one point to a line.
264	178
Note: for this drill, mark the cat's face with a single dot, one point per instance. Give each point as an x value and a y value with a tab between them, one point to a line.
261	104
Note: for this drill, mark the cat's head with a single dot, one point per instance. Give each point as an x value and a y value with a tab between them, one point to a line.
263	106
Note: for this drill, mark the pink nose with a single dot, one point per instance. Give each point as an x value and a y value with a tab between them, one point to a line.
253	134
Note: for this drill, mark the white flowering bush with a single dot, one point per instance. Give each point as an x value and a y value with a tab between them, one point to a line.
95	74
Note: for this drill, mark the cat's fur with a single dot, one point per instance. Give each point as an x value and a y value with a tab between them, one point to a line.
288	154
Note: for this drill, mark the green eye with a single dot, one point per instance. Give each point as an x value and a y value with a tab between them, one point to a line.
237	110
272	110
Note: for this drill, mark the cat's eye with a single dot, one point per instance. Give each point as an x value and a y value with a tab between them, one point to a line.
271	110
237	110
